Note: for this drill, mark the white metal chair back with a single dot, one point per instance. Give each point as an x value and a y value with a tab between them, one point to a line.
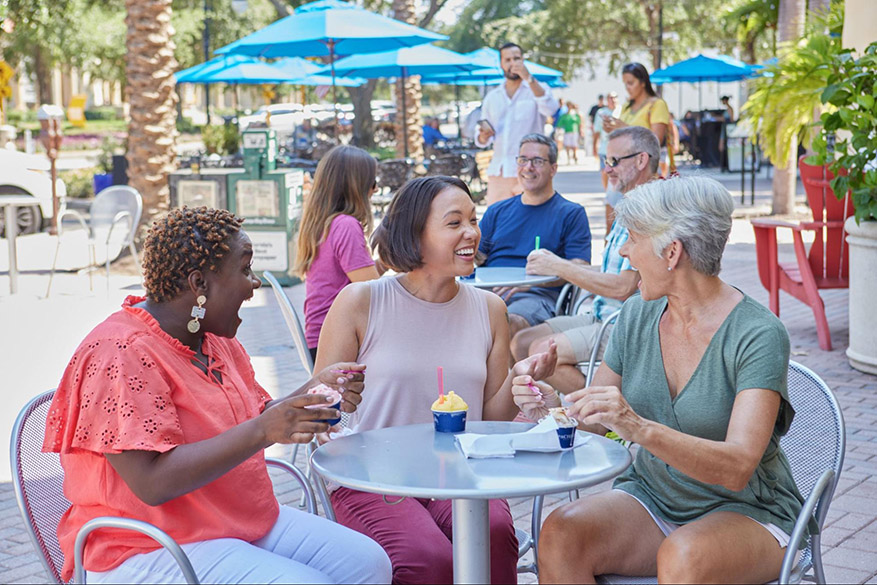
814	446
293	322
37	479
115	204
113	219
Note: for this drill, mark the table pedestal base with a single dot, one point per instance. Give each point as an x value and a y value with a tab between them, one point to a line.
471	541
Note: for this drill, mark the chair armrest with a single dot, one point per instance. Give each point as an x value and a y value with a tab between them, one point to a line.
599	341
118	218
817	225
75	215
807	510
774	223
155	533
320	485
302	479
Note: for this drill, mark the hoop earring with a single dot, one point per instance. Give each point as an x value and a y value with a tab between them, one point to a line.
197	313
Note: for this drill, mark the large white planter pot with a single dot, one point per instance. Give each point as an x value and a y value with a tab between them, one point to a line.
862	239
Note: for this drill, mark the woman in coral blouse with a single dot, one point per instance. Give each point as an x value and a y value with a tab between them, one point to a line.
159	418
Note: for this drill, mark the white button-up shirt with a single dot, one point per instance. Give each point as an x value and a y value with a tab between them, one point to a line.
512	118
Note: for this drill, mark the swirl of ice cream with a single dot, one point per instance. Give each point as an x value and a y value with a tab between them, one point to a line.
450	402
327	391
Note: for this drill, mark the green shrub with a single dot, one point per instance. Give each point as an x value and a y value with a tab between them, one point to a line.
16	117
220	139
80	182
108	147
101	113
185	126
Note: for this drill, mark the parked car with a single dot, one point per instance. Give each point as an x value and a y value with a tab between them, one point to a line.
284	118
28	174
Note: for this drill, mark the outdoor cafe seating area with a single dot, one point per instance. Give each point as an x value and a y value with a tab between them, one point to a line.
305	361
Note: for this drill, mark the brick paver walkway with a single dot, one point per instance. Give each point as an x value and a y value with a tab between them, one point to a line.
850	539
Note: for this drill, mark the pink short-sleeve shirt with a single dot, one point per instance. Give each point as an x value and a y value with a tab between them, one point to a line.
132	387
343	251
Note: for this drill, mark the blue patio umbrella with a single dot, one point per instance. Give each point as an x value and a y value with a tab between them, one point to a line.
242	73
330	28
702	68
221	62
303	72
422	60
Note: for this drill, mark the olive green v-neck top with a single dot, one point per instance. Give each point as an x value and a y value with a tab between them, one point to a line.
749	350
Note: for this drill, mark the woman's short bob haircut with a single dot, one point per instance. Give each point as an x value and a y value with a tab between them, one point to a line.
694	210
397	238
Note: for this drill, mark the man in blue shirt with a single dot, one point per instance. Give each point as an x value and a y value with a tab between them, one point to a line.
431	132
632	156
509	229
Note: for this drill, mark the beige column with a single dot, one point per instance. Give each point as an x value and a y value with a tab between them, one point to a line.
859	25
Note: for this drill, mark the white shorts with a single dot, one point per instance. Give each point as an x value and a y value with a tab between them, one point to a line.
570	140
668	527
300	548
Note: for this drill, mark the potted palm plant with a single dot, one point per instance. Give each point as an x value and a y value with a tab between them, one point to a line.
847	143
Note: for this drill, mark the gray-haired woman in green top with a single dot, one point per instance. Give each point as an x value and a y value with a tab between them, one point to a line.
695	374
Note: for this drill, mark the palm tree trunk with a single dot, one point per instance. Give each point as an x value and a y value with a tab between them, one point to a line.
404	10
151	94
363	124
790	27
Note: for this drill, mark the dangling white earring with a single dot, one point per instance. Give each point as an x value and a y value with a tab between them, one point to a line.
198	313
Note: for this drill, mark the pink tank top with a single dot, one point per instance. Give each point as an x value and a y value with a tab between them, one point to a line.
406	339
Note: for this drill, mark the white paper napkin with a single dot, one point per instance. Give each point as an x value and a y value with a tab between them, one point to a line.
541	438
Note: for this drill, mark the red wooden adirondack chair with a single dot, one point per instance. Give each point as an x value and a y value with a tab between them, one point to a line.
827	263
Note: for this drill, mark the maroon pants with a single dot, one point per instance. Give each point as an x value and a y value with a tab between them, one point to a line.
416	535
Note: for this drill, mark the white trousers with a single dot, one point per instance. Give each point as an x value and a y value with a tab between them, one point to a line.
301	548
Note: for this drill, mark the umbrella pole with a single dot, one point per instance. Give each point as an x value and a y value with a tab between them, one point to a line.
459	121
404	117
334	95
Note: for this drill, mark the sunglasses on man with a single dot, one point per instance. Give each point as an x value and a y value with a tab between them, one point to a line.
613	162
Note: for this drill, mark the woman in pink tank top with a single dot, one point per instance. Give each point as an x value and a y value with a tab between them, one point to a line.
402	328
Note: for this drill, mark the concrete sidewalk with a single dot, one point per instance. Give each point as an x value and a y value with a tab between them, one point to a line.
38	336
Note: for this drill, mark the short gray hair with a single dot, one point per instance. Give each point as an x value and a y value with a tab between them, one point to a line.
543	140
642	140
694	210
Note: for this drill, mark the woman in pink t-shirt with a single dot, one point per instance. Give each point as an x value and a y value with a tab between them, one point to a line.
332	250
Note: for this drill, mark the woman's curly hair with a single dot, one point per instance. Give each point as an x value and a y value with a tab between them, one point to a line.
182	241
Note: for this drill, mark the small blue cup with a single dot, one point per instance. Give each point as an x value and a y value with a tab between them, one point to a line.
567	436
449	422
334	421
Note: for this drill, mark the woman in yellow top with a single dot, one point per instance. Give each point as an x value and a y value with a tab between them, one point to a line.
644	109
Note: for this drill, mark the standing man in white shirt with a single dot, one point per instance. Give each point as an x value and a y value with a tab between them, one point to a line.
512	110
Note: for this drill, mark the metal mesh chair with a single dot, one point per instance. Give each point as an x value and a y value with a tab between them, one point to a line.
815	446
38	479
293	322
113	219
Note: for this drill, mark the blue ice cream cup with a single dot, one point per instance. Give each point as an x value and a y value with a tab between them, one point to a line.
449	422
567	435
335	421
336	406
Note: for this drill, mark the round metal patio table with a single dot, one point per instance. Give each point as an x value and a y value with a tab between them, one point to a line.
493	276
416	461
